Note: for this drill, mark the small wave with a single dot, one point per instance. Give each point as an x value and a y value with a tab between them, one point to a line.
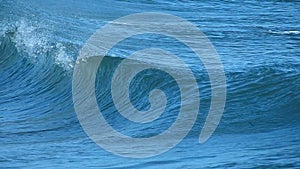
291	32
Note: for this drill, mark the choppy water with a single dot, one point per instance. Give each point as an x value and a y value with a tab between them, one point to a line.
258	43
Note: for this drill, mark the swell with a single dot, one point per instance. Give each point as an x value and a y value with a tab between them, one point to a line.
36	97
263	98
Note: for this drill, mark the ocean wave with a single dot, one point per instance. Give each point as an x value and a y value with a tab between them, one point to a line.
266	93
258	44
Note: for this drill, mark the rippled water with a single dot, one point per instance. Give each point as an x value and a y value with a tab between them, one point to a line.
258	43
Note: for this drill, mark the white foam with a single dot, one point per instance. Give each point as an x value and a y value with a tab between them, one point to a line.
29	40
32	39
292	32
62	57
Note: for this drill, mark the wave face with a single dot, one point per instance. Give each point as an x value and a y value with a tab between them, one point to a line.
259	48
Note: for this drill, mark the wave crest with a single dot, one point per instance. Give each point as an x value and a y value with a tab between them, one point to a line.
33	41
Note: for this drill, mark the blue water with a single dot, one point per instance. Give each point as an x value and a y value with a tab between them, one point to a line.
258	43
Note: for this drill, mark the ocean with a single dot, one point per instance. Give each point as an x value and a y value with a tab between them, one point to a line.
257	42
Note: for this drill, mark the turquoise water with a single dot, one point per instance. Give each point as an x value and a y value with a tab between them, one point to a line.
258	44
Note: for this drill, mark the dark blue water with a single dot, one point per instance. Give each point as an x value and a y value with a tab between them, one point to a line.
258	43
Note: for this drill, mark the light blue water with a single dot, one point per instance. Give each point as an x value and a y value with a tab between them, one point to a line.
258	43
